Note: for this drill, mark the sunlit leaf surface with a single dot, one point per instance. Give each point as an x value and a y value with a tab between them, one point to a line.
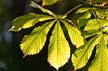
100	62
28	21
34	42
74	35
58	50
82	54
48	2
95	24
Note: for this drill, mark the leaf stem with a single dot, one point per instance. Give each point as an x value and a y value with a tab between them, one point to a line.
73	9
35	5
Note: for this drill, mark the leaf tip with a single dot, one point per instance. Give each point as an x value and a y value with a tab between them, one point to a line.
11	29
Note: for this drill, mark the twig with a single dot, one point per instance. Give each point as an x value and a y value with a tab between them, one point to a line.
35	5
73	9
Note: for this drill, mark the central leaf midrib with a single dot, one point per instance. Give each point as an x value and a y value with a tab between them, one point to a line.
57	39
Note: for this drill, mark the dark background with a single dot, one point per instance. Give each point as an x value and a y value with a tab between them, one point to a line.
11	57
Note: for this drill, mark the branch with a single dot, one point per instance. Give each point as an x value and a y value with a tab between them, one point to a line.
33	4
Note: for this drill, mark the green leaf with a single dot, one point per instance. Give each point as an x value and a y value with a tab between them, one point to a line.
100	62
102	13
28	21
105	29
82	54
33	43
83	19
74	34
89	33
106	38
48	2
58	50
86	15
95	24
81	10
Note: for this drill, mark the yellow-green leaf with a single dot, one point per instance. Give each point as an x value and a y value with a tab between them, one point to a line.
90	33
81	10
83	19
82	54
100	62
28	21
48	2
74	34
102	13
95	24
58	50
33	43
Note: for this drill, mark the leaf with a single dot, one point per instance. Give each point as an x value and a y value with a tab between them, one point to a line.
58	50
102	13
82	20
89	33
74	34
100	62
82	54
48	2
81	10
28	21
106	38
33	43
86	15
95	24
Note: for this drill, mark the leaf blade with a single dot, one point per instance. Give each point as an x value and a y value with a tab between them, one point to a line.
58	50
100	62
95	24
74	34
27	21
82	54
48	2
33	43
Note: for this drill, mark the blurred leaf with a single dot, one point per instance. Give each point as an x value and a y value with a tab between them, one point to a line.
100	62
89	33
81	10
95	24
82	54
105	29
33	43
86	15
102	13
48	2
82	20
28	21
58	50
74	34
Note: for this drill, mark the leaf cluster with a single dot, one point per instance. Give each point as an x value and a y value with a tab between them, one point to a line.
92	24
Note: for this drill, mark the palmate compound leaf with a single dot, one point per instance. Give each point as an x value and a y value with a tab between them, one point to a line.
74	34
58	50
33	43
81	56
48	2
28	21
100	62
